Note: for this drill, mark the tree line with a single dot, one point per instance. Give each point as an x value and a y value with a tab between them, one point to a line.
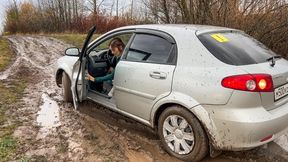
266	20
62	16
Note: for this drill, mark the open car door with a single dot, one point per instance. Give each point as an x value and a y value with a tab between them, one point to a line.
79	88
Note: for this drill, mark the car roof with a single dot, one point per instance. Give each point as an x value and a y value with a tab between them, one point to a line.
180	27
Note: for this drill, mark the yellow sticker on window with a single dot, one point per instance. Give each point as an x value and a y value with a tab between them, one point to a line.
220	38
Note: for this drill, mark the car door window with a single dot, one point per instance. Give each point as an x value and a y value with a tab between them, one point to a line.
100	58
150	48
101	51
104	45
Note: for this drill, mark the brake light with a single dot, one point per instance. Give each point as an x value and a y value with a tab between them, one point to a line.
249	82
262	84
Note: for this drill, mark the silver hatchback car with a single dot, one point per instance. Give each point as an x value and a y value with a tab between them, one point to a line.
201	87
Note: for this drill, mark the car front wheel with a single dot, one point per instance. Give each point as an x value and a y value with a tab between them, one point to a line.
66	88
182	134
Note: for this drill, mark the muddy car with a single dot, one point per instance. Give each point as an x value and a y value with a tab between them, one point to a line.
202	88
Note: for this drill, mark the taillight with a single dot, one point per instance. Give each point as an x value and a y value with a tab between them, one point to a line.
249	82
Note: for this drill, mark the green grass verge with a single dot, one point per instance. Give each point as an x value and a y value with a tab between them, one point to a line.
7	147
73	39
37	158
10	92
6	56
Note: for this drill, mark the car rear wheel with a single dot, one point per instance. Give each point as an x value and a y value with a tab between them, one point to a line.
182	134
66	88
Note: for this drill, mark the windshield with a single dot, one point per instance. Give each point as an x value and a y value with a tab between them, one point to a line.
236	48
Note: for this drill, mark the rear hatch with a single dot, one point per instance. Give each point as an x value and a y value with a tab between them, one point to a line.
239	49
279	73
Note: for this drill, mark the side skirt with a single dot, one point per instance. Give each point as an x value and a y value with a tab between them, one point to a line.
111	104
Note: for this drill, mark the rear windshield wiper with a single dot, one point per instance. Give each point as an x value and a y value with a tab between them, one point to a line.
272	59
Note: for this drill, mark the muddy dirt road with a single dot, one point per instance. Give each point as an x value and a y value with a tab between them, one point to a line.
51	130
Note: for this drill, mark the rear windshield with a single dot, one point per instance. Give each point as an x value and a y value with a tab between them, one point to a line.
236	48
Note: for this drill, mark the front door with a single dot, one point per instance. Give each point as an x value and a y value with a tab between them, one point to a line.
78	88
144	74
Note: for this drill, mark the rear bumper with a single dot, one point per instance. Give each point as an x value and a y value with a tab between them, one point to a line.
245	128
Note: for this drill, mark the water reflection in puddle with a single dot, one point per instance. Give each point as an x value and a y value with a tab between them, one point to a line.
48	116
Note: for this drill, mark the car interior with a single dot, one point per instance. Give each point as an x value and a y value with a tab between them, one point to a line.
99	63
100	59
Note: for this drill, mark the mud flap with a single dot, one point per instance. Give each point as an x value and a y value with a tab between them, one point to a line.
213	152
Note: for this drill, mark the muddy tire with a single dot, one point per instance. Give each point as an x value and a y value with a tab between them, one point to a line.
182	135
66	88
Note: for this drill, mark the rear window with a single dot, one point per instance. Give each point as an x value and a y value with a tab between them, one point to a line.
236	48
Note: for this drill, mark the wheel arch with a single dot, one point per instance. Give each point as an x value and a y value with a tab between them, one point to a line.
194	107
174	98
59	74
58	77
159	111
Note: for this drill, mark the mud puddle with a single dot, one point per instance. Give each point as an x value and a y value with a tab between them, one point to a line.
52	130
48	116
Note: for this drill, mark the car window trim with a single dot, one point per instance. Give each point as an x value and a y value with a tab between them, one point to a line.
158	33
127	47
149	62
173	53
111	35
172	59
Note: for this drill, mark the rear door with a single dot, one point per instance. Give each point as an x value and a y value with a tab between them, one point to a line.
145	73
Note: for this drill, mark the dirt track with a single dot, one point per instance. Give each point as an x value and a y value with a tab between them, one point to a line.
52	130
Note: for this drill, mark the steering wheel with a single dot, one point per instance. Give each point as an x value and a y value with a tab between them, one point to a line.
108	56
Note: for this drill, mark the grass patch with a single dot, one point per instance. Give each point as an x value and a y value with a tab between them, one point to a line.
38	158
73	39
91	137
6	56
63	147
10	93
7	146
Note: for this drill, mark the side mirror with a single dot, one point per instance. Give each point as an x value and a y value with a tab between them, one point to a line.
73	51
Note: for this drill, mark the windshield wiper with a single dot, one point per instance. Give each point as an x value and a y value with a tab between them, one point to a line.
272	59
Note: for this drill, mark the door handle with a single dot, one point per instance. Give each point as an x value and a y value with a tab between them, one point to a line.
158	75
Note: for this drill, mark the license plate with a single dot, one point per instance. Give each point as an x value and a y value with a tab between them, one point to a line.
281	92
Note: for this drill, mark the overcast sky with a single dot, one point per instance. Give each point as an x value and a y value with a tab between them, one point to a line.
3	5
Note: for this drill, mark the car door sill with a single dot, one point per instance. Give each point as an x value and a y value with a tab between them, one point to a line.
110	103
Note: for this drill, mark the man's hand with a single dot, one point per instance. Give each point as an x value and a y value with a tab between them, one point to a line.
89	77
